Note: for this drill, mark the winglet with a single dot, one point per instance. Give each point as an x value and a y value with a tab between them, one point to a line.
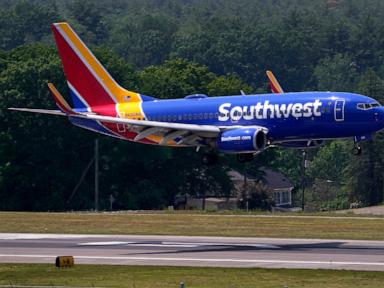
275	86
60	101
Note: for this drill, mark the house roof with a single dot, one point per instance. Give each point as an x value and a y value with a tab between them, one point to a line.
276	180
273	179
235	175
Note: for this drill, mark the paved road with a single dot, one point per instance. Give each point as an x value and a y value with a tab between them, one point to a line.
194	251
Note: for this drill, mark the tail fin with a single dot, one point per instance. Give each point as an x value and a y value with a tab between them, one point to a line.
60	101
275	86
89	82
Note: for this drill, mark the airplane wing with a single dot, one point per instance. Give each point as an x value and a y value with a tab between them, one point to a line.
275	86
170	133
65	109
164	131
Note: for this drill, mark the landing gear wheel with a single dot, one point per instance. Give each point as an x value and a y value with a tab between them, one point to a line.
209	159
357	150
246	157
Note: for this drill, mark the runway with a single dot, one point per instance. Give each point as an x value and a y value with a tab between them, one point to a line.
194	251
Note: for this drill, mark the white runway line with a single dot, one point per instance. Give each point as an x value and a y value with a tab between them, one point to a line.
276	261
109	243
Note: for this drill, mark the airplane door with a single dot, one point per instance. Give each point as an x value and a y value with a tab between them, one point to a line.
339	110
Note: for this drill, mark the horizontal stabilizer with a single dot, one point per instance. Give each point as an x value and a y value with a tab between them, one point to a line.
41	111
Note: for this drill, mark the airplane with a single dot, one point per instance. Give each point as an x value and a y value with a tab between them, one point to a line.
244	125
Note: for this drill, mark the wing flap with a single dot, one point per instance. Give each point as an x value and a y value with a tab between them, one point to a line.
206	130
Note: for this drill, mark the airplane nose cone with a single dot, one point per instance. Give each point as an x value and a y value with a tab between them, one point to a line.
379	116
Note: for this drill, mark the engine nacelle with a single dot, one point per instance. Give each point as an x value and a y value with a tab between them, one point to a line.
242	140
302	144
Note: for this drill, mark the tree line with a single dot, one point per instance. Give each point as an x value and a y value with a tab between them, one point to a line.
170	49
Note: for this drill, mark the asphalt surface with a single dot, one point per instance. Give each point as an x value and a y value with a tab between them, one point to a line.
194	251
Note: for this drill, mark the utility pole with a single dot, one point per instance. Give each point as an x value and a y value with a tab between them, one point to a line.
303	180
96	174
245	188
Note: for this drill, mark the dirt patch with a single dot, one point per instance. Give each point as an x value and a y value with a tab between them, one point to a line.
373	210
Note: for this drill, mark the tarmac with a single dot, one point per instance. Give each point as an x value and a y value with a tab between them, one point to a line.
193	251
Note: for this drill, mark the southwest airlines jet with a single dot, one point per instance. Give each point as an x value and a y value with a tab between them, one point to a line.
244	125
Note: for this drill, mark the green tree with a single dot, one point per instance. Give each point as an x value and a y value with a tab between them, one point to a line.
175	78
337	73
144	40
25	23
365	170
89	14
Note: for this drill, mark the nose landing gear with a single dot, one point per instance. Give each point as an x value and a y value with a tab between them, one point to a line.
357	149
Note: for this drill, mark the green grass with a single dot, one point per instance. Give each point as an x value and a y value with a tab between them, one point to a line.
159	277
194	225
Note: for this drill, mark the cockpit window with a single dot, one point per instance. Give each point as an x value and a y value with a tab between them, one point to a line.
367	106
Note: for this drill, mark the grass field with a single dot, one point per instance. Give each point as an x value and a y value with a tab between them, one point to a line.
159	277
194	224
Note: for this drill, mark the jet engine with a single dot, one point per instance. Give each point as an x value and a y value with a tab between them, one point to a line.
242	140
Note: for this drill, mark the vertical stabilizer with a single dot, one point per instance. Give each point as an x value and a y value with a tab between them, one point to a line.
89	82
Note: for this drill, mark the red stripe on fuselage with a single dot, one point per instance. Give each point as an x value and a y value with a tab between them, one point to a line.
128	135
78	74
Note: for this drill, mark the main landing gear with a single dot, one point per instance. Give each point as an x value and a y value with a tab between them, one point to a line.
244	157
209	158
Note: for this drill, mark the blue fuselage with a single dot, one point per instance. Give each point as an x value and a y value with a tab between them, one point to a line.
288	117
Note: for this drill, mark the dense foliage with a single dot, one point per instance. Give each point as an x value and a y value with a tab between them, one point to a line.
169	49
